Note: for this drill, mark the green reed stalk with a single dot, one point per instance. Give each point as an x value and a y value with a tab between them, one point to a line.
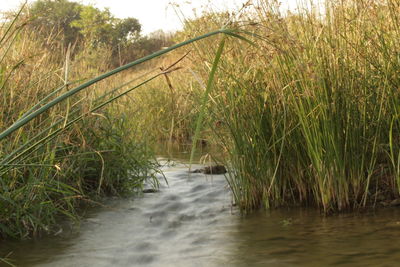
205	97
70	93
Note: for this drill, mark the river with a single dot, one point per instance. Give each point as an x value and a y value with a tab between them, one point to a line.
191	222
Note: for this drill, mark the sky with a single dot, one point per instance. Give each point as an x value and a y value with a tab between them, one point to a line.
154	14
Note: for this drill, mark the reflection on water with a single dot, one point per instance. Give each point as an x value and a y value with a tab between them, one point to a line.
304	237
192	223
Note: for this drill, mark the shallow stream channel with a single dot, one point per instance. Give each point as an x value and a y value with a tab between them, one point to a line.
191	222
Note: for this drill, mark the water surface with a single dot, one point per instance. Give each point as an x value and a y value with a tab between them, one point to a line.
191	222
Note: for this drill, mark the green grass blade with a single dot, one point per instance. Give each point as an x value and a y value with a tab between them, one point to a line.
204	99
72	92
41	142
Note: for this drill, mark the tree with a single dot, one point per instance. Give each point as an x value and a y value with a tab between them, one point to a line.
127	30
95	25
54	17
70	22
62	22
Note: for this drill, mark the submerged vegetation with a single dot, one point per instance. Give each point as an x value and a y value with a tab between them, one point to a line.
307	111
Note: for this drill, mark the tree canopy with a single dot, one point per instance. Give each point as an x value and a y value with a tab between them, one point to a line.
72	23
75	21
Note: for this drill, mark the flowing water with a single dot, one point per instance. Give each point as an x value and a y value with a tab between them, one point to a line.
191	222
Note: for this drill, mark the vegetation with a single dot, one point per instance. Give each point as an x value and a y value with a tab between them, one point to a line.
67	23
73	145
73	153
311	117
307	111
66	155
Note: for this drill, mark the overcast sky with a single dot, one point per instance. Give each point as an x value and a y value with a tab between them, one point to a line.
153	14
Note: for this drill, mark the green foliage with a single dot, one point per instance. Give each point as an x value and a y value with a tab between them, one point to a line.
205	97
71	23
127	30
58	24
94	25
58	162
114	139
54	18
100	27
71	146
308	116
310	120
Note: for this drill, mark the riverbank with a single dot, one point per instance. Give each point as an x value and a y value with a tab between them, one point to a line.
303	105
60	147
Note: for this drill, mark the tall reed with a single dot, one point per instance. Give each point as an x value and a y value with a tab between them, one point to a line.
310	116
314	119
51	165
63	142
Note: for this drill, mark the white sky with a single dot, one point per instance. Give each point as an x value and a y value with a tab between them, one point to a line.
154	14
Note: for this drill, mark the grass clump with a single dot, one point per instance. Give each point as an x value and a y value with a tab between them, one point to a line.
62	163
314	119
66	143
67	156
309	114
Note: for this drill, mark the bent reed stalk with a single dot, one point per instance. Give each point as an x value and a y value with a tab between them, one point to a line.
34	114
310	114
68	153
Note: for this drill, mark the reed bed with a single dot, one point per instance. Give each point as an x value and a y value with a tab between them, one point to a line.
308	113
305	104
314	119
66	139
69	155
